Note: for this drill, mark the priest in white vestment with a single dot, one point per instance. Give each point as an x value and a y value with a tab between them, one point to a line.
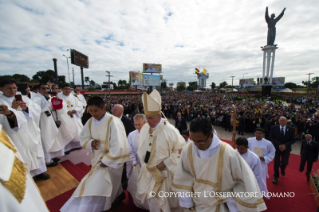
18	191
209	167
74	111
160	144
266	152
29	134
104	137
133	166
79	96
53	147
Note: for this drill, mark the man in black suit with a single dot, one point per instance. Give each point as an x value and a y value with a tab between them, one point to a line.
129	127
180	123
241	125
309	154
282	136
128	124
314	131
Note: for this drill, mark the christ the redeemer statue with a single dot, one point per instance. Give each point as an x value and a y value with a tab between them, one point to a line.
271	21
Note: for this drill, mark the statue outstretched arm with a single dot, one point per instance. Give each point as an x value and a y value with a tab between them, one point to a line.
281	14
266	15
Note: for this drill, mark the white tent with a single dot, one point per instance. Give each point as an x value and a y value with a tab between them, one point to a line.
286	90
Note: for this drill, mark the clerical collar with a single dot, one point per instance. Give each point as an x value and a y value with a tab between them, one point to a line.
161	121
215	142
98	122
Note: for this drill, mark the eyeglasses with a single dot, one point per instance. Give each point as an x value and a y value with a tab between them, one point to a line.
45	88
202	141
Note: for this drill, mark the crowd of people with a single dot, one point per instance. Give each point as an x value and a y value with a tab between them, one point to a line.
134	147
252	112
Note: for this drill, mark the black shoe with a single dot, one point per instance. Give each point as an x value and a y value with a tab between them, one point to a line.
119	199
283	173
274	181
52	164
43	176
77	148
67	152
56	159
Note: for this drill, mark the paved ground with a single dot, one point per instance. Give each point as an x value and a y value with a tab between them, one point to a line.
228	136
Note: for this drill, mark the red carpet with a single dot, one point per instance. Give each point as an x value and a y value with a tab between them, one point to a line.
294	181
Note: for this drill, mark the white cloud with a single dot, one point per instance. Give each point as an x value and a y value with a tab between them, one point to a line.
222	36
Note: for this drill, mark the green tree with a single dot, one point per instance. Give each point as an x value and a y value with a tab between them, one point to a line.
21	78
290	85
87	80
181	87
192	86
213	85
45	76
92	83
223	84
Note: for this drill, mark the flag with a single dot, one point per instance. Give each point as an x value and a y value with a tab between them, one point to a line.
196	71
204	71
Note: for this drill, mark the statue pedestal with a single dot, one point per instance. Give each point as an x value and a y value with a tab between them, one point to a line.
268	67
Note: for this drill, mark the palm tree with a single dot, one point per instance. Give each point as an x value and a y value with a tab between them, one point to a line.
87	80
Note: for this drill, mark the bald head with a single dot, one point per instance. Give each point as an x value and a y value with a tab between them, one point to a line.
282	121
118	110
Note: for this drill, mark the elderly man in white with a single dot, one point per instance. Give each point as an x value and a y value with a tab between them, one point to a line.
133	166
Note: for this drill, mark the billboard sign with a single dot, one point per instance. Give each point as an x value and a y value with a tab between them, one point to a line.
151	80
136	78
79	59
246	82
152	68
278	81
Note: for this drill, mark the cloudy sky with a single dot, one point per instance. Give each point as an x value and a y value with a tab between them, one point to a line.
119	36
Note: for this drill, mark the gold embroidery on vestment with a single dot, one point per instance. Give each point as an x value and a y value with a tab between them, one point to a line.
17	181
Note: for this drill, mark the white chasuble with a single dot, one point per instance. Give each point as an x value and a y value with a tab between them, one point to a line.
224	171
28	134
164	144
18	191
100	187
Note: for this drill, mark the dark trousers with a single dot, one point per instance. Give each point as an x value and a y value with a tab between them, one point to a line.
284	156
241	129
124	178
309	165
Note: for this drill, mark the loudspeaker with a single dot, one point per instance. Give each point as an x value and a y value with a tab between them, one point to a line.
266	91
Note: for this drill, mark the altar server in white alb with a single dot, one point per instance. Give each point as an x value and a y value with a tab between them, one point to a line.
18	191
254	163
79	96
209	165
266	152
29	135
53	146
134	165
160	144
74	111
104	137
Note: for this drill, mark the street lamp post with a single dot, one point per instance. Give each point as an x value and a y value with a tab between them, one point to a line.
232	82
309	81
67	61
109	75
